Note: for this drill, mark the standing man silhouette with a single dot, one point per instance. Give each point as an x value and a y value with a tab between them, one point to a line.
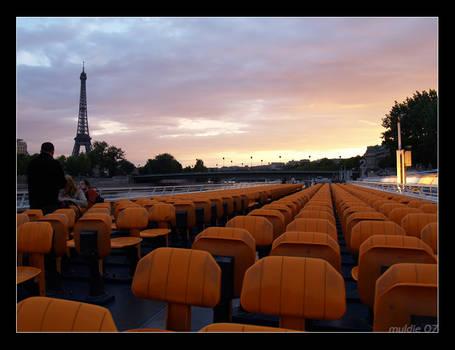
45	178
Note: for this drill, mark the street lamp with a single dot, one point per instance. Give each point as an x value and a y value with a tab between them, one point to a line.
251	164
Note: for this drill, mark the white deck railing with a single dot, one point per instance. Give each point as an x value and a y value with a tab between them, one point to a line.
419	191
114	193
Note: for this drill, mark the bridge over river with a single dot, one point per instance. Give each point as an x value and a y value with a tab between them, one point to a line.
239	176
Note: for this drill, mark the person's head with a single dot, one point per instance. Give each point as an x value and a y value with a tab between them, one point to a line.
70	187
84	185
47	147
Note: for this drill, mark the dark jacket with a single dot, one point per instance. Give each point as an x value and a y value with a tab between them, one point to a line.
45	178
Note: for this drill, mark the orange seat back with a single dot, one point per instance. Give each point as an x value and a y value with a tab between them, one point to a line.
70	214
429	208
403	291
357	217
366	228
95	222
398	214
21	218
33	214
313	225
133	218
180	277
44	314
188	206
59	223
413	223
294	288
259	227
283	209
308	244
313	207
229	241
204	203
378	252
241	328
386	208
35	237
317	214
429	235
163	214
274	216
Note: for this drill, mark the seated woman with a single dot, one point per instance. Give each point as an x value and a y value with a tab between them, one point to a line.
89	192
70	194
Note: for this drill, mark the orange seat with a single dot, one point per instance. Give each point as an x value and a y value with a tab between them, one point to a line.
34	238
44	314
308	244
294	288
95	222
134	219
181	278
387	207
93	209
314	207
228	205
406	291
229	241
70	214
163	215
21	218
218	203
241	328
378	252
397	214
33	214
274	216
185	206
317	214
259	227
294	205
349	210
366	228
202	203
313	225
413	223
59	223
429	208
283	209
429	235
357	217
25	273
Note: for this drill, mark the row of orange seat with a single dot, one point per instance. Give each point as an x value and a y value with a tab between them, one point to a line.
393	239
132	216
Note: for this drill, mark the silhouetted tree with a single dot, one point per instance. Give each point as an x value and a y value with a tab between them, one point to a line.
418	127
163	163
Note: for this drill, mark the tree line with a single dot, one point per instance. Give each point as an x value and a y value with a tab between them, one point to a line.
106	161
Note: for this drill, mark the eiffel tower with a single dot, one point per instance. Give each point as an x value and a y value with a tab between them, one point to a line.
82	135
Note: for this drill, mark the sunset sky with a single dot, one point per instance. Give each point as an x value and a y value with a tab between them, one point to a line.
214	87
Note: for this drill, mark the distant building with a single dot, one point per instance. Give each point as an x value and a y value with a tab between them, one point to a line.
21	146
373	155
